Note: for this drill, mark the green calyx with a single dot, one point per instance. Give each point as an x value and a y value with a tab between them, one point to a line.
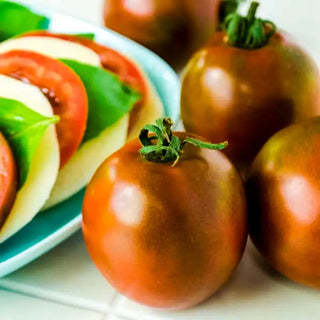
248	32
163	146
227	7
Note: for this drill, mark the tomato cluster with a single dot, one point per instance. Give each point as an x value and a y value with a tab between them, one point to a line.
167	225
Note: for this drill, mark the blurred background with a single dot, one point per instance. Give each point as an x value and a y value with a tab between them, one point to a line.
300	18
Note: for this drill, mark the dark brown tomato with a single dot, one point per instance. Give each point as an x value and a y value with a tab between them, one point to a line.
174	29
245	96
8	179
63	88
284	202
165	236
113	61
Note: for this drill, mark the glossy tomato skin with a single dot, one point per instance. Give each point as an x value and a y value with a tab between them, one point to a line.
8	179
167	237
245	96
171	28
284	202
63	88
112	61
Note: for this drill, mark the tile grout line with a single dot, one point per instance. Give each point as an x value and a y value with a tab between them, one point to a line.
113	306
116	310
115	317
114	313
62	299
102	315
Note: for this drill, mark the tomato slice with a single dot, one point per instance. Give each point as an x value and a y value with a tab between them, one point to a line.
63	88
8	179
113	61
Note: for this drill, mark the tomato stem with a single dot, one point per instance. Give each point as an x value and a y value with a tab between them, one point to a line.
227	7
163	146
248	32
252	11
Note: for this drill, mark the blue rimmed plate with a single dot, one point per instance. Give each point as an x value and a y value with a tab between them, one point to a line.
52	226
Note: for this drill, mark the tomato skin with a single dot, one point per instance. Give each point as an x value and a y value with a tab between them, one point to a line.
245	96
173	29
112	61
62	87
284	202
8	179
168	237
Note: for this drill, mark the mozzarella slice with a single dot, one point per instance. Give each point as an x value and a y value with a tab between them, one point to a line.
63	49
77	172
45	163
52	47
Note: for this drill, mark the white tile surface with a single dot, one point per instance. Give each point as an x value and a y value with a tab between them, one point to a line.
64	274
113	317
91	11
15	306
255	292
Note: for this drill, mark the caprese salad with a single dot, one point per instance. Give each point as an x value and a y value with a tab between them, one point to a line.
66	103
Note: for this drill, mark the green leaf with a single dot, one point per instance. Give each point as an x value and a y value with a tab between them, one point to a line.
90	36
23	129
16	19
109	98
206	145
168	147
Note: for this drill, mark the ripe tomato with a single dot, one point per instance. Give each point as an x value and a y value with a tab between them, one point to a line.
8	179
244	95
172	28
113	61
61	86
284	202
166	236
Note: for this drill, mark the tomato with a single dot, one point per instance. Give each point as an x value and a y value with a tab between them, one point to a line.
284	202
8	179
115	62
245	95
172	28
61	86
168	237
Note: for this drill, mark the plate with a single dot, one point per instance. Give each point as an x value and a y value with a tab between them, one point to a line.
52	226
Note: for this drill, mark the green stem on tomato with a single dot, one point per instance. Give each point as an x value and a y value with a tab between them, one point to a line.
248	32
227	7
252	12
163	146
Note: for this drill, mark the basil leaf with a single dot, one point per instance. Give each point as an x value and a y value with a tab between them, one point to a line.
89	36
109	98
16	19
23	128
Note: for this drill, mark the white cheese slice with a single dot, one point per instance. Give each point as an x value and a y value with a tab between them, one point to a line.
52	47
77	172
45	163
